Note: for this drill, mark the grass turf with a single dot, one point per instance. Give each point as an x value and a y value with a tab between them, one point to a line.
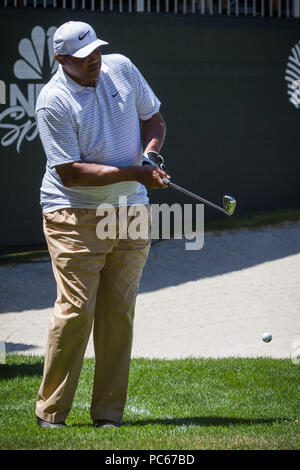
172	404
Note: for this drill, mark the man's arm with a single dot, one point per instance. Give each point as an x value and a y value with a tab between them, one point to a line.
154	133
93	174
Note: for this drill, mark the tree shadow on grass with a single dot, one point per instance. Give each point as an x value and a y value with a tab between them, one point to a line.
9	371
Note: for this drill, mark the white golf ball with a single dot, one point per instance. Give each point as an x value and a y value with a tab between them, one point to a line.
267	337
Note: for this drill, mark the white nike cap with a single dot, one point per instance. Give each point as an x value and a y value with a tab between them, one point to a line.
76	38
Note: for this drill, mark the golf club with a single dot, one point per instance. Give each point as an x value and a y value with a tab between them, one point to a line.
229	202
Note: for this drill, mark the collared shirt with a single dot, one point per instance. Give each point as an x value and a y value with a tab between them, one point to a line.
94	124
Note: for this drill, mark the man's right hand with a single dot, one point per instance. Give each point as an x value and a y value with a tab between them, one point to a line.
151	177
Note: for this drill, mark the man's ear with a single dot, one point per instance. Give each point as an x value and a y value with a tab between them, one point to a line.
60	59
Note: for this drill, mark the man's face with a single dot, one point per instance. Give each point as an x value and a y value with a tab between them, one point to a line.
83	71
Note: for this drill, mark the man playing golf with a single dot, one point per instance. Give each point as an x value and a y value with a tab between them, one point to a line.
90	116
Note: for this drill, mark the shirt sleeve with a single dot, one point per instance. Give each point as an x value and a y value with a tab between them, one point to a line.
147	102
58	136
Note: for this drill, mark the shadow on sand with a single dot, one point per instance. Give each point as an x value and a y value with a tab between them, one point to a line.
31	285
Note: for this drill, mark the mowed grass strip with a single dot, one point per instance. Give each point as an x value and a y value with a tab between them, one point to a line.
172	404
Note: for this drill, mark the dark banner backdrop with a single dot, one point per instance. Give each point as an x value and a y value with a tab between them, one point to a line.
230	125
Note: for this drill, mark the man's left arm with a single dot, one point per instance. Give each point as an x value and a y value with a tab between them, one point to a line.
153	133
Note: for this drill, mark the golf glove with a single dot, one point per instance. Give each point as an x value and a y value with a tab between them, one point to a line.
154	159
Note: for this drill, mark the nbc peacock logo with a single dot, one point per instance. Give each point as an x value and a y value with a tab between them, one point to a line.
35	67
292	76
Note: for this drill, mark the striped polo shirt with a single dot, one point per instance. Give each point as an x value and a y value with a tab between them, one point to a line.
94	124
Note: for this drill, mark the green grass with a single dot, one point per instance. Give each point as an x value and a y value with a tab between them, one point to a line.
179	404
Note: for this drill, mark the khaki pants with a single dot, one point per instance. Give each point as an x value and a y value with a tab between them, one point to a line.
97	283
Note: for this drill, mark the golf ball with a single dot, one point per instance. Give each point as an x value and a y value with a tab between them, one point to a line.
267	337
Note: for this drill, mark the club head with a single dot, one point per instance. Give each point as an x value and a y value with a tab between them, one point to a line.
229	204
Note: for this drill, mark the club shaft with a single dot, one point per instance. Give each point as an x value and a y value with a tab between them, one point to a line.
201	199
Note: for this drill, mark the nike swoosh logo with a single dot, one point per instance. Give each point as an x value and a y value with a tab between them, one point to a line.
115	94
82	37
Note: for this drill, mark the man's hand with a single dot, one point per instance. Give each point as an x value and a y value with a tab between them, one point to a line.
151	177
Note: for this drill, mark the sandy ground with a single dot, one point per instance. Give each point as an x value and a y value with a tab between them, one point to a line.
215	302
